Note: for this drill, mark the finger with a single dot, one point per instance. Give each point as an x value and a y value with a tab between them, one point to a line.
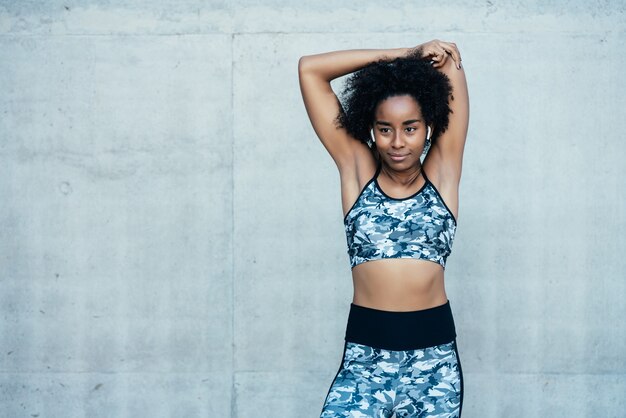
443	56
432	52
446	54
454	57
438	55
454	52
437	59
457	56
450	47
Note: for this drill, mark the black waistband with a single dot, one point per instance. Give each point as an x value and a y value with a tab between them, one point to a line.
400	330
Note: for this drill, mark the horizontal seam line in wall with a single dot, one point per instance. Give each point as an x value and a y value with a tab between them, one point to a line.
220	372
538	32
545	373
468	371
290	372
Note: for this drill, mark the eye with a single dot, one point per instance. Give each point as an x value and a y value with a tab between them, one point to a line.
410	127
384	130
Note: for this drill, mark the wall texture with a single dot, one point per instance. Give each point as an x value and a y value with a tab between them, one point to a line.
171	239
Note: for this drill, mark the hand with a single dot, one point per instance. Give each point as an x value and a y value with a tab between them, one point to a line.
439	51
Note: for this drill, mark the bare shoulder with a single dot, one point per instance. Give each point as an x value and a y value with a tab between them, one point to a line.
356	175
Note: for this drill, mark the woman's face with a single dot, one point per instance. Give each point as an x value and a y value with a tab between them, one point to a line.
399	131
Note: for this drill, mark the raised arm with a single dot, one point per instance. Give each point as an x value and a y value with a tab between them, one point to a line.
449	147
322	105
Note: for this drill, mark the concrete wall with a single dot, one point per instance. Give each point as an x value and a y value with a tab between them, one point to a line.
171	242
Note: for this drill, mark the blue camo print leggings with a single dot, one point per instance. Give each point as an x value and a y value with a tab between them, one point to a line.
376	382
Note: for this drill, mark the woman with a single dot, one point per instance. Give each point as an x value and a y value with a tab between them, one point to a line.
400	216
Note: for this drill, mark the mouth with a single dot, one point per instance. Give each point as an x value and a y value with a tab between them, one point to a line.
398	157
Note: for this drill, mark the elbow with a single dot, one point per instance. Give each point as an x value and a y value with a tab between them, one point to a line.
303	64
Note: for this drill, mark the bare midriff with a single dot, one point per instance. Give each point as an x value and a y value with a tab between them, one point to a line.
400	284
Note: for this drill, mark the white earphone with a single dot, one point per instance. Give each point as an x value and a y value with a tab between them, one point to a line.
428	134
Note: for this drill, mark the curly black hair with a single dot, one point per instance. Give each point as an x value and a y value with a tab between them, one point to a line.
413	75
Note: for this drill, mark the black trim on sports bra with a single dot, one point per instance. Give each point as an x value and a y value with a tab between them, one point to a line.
362	190
440	197
402	198
375	180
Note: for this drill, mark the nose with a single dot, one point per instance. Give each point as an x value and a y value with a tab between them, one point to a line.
398	140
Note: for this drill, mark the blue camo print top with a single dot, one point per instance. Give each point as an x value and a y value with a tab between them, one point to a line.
419	226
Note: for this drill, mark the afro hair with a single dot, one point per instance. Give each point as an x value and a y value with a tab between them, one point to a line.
379	80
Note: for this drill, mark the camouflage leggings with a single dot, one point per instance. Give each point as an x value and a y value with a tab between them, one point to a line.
375	382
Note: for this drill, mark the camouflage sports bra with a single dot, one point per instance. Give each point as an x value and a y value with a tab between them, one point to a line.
419	226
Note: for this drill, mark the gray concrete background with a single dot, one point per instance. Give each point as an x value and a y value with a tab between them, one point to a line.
171	230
